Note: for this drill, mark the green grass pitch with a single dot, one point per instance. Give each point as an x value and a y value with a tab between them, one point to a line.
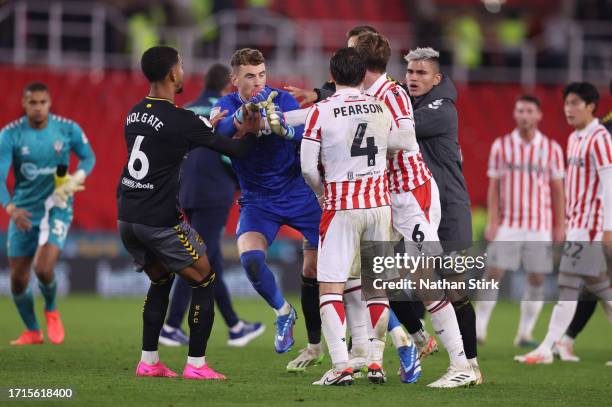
102	348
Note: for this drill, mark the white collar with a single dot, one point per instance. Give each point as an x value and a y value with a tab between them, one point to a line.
588	129
378	83
535	140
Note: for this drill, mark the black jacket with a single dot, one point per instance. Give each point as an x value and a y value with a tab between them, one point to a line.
436	124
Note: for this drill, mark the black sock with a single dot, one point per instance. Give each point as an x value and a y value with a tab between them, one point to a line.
419	309
404	311
310	308
466	317
201	315
154	312
584	311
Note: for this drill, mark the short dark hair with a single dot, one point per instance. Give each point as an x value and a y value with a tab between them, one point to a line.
35	87
247	56
530	99
375	49
217	77
585	91
347	67
360	29
157	61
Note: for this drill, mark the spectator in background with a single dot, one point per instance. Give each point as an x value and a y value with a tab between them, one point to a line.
467	40
206	195
511	33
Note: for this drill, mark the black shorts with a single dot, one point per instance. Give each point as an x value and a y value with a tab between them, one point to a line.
176	247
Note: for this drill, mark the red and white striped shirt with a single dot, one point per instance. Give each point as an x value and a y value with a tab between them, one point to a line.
406	168
525	170
589	151
351	129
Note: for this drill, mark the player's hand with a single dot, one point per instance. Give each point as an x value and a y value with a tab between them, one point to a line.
20	217
220	116
250	123
304	96
558	234
74	183
490	232
277	122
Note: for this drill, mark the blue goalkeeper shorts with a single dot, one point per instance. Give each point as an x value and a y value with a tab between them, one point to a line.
297	208
51	228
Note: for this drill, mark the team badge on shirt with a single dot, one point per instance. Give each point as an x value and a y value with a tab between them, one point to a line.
58	146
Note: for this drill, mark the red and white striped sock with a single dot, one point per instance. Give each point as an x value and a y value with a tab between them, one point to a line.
378	315
334	328
444	322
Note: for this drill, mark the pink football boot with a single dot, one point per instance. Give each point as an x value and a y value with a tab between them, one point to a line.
201	373
157	370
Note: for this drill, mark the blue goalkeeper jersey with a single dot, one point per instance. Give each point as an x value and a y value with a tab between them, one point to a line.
35	155
272	166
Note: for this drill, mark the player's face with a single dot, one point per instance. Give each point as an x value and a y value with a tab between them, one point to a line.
177	75
36	105
249	79
351	41
421	77
577	112
527	115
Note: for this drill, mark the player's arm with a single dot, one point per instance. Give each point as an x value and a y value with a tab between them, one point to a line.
557	193
82	148
493	192
602	155
307	96
402	136
6	157
199	131
20	217
226	126
435	119
310	152
309	157
286	103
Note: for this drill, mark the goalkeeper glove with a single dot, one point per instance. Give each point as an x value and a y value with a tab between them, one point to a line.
277	122
67	186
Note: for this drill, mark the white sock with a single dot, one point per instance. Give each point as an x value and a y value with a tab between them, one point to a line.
284	310
399	337
483	310
378	318
356	317
196	362
473	362
561	317
317	347
531	305
420	337
444	321
334	328
149	357
567	339
237	328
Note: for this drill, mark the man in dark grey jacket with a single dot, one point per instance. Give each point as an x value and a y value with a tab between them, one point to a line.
435	117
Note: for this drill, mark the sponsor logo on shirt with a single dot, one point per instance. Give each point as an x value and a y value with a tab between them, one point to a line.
30	171
130	183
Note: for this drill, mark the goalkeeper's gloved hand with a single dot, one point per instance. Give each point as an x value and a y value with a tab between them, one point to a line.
67	186
277	122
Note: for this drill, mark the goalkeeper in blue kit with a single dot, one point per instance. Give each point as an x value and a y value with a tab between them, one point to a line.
274	193
39	145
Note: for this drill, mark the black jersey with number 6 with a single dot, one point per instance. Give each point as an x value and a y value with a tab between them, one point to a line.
158	135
